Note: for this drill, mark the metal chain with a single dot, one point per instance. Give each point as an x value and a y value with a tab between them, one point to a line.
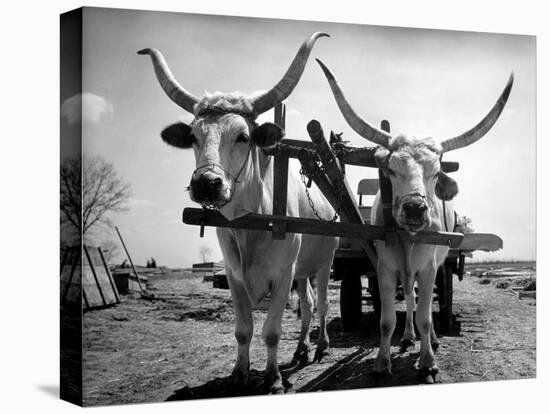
321	170
338	148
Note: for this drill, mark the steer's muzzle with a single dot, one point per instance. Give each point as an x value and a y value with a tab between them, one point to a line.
414	213
209	190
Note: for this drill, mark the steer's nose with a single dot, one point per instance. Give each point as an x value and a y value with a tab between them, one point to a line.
206	189
414	210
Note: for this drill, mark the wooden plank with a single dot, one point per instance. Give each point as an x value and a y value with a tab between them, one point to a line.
95	277
89	287
333	171
279	115
331	164
196	216
527	294
313	171
72	293
70	261
359	156
365	213
368	186
481	241
129	258
109	275
386	196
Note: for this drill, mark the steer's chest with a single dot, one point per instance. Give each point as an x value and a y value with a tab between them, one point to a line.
257	261
410	258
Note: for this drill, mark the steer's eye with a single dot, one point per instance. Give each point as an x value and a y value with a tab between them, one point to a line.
242	138
391	172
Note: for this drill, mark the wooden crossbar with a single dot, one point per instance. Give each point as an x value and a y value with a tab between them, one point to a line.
359	156
264	222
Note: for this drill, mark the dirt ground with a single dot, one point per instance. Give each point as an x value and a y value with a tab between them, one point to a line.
182	346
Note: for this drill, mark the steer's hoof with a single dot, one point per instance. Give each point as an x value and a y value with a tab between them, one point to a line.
320	353
239	379
300	357
435	346
277	388
429	375
382	366
405	345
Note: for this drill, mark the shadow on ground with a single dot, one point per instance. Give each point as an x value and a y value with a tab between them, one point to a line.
368	331
222	387
353	371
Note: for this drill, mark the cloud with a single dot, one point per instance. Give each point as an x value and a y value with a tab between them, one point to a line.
293	112
86	107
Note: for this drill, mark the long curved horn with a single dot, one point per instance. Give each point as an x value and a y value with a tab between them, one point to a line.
474	134
286	85
358	124
168	83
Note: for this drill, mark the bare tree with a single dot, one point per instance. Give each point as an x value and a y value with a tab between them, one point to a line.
89	190
205	252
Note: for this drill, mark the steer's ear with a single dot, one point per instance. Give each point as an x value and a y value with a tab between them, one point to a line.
178	135
267	135
382	157
446	188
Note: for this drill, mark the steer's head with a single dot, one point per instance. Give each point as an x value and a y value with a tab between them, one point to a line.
413	167
412	164
224	128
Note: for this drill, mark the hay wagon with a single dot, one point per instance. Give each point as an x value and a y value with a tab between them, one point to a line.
324	162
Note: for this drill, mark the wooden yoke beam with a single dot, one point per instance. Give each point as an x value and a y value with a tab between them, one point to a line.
348	207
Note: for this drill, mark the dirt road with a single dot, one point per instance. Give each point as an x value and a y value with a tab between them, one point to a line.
183	347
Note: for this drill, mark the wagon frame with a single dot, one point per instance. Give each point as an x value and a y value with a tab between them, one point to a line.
323	162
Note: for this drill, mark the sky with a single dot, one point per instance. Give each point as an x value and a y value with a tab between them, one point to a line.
425	82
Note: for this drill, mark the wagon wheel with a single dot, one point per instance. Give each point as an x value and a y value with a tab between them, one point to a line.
350	299
445	294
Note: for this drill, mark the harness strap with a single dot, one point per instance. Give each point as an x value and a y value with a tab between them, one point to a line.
234	178
386	194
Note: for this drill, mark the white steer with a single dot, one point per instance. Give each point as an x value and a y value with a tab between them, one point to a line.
418	190
234	176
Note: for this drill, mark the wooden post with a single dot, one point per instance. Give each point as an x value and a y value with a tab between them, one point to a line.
280	190
130	260
109	275
386	195
280	180
332	167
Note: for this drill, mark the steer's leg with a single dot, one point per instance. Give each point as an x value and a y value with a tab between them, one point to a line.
387	281
243	330
427	366
434	339
409	337
272	331
305	293
322	309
